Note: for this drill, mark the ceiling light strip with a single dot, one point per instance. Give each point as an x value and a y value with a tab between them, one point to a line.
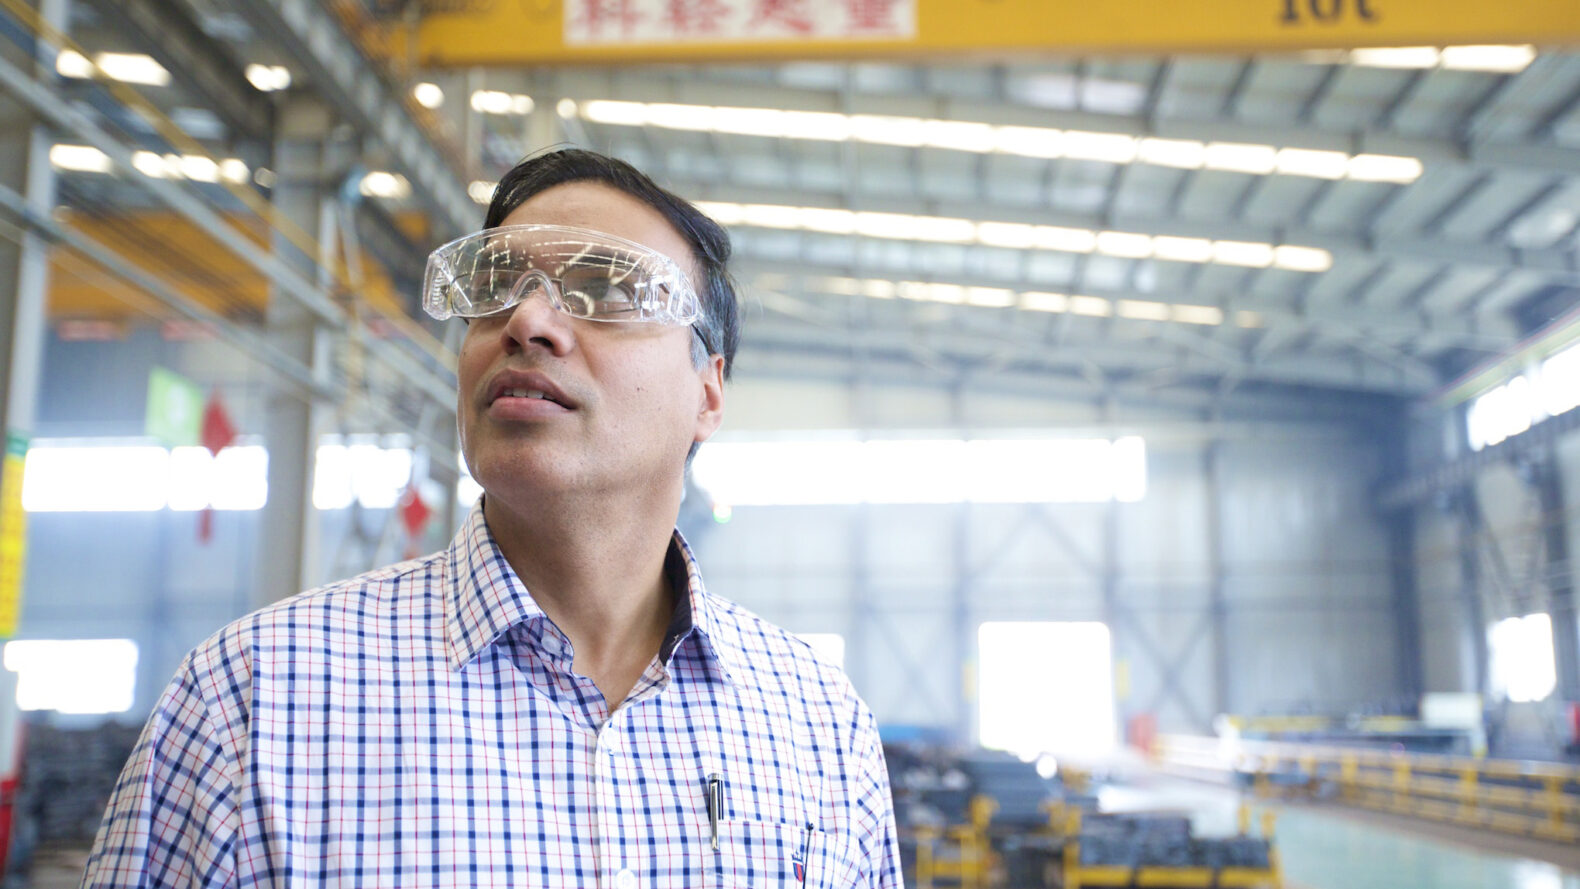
981	138
1019	236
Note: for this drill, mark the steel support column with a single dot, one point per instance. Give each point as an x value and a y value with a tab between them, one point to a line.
1217	601
1560	577
1469	529
292	425
1405	601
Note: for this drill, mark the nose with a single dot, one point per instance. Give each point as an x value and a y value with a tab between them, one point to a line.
535	321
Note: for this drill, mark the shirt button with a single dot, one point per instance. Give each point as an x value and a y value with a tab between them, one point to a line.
625	879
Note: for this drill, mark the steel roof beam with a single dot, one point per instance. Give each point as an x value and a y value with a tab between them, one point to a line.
307	32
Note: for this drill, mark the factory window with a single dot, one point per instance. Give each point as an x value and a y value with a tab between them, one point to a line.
73	675
1045	687
1522	664
846	470
1546	391
828	646
80	475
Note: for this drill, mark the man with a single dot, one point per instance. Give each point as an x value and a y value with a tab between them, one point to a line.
556	700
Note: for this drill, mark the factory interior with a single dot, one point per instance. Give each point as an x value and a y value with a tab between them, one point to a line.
1164	414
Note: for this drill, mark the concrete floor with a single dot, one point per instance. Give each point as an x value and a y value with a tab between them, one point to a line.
1324	848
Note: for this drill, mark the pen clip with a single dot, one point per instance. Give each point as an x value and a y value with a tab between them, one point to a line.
715	803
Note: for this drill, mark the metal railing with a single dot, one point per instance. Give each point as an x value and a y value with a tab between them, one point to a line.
1535	799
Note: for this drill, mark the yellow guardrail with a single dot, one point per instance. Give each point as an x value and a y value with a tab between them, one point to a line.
1077	875
1513	796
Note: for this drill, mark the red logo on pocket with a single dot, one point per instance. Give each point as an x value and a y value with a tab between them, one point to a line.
800	871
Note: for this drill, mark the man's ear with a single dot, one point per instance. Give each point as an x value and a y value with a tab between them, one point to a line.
710	406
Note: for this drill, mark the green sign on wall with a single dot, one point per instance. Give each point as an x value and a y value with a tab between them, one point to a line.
175	408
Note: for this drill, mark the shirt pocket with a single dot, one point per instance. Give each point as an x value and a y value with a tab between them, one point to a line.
756	855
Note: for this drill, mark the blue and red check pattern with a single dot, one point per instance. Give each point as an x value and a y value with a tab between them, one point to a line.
420	726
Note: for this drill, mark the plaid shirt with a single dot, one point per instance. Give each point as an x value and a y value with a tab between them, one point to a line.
420	725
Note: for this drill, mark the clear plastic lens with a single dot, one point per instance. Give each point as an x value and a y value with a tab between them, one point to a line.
584	273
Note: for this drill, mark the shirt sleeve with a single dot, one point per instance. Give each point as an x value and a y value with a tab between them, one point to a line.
874	803
172	819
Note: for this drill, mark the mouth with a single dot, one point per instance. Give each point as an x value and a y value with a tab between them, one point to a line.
512	387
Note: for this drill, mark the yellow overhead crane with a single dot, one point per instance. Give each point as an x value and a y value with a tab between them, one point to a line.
568	32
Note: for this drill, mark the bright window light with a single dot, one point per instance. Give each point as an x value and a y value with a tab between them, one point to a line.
80	158
830	647
371	475
96	479
1074	711
238	479
268	78
1048	470
73	675
1528	399
1521	653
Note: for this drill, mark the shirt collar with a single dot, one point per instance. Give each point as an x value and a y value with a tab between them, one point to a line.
486	599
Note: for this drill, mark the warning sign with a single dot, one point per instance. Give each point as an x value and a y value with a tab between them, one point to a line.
13	533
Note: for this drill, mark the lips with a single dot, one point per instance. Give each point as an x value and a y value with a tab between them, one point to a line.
523	388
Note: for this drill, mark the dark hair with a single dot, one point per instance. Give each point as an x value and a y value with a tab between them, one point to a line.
720	325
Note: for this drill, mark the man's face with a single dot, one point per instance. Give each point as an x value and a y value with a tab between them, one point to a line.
624	401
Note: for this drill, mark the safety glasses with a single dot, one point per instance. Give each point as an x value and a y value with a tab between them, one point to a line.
583	273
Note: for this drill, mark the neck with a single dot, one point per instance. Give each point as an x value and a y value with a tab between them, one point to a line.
597	571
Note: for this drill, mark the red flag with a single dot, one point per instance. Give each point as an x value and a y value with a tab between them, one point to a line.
414	514
217	434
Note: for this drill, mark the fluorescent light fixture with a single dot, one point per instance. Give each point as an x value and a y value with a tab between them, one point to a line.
70	63
990	297
1029	142
1248	319
1313	163
1246	253
380	184
565	108
877	288
1113	148
1396	57
268	78
1015	235
625	114
156	166
1007	234
1144	310
80	158
968	136
1187	314
1182	249
497	102
1237	157
1187	154
1496	59
1302	259
1385	168
953	294
199	168
233	170
133	67
481	191
428	95
1069	240
1037	301
1094	306
1124	244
